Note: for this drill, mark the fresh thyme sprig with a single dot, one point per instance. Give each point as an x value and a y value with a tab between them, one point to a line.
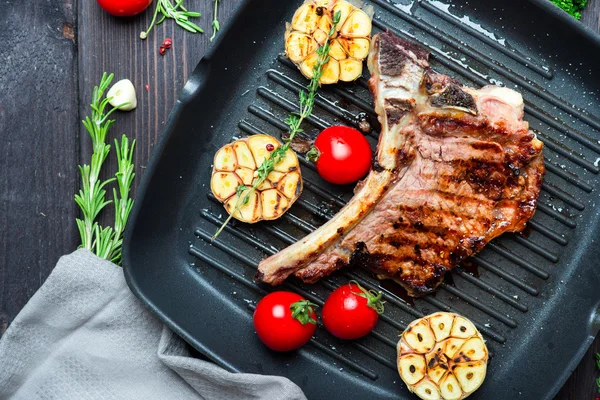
106	242
294	120
176	12
215	23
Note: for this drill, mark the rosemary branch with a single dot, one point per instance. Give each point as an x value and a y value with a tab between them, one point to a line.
294	121
91	197
104	241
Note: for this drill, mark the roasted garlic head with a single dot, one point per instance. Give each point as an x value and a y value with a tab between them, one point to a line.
442	356
348	47
237	164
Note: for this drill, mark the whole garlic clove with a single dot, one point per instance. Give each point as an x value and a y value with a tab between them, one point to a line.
122	92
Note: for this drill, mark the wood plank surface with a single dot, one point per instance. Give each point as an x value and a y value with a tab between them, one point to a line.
39	143
51	67
110	44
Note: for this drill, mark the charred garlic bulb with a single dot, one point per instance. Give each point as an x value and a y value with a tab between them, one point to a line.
348	47
442	356
235	169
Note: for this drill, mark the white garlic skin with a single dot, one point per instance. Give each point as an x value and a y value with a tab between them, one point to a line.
122	92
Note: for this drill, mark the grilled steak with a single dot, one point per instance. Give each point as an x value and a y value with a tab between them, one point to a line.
455	167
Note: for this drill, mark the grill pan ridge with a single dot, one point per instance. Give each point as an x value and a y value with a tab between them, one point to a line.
533	296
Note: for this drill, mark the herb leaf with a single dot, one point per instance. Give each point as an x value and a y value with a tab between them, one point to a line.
176	12
215	23
573	7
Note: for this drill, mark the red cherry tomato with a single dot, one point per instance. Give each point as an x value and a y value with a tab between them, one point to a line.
351	311
344	155
284	321
124	8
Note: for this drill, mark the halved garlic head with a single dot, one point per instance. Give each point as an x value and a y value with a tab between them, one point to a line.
348	47
237	163
442	356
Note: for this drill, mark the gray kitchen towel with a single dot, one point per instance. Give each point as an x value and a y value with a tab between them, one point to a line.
84	335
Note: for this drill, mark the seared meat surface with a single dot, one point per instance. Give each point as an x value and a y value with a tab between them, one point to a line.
455	167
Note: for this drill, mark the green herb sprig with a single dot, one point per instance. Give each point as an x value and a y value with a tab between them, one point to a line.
176	12
215	22
294	120
573	7
106	242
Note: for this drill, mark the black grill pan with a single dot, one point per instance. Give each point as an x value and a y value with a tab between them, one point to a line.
535	296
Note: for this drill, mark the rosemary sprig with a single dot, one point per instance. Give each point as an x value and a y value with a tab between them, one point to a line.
176	12
123	203
294	120
91	197
215	23
110	240
104	241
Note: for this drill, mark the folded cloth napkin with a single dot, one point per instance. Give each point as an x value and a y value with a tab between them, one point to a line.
84	335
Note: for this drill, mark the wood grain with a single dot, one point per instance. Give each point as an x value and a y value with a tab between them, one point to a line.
38	146
113	45
51	68
590	16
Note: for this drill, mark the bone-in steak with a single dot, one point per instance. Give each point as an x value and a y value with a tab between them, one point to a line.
455	167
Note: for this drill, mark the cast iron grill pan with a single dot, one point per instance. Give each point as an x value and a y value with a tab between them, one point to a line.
533	296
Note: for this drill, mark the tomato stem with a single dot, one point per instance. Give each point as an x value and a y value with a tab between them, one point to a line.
303	311
313	154
373	297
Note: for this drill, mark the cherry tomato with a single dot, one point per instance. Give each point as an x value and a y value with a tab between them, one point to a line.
344	155
284	321
351	311
124	8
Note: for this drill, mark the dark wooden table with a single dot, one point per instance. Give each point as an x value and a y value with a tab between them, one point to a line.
52	53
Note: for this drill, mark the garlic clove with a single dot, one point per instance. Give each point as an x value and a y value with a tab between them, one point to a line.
122	92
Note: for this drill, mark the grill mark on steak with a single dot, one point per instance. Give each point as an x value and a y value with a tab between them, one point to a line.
455	167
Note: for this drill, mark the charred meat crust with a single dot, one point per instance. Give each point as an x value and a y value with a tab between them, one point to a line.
454	97
435	83
395	52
